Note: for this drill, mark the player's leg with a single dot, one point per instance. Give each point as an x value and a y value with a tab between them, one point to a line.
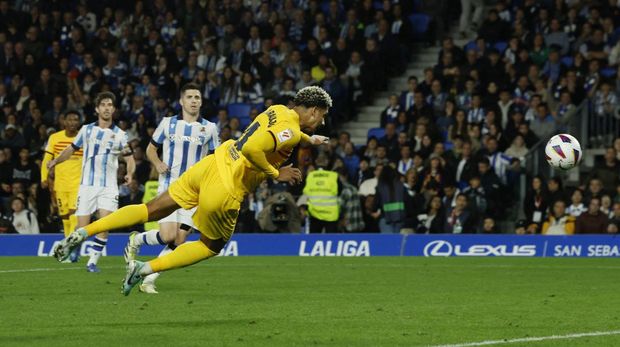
215	218
85	206
130	215
184	217
166	234
101	240
127	216
63	212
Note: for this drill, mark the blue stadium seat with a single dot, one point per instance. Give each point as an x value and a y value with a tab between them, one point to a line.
608	72
501	46
448	145
239	110
377	5
567	61
376	132
419	22
244	122
471	45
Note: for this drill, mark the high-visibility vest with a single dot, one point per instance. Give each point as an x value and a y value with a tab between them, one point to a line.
150	192
322	192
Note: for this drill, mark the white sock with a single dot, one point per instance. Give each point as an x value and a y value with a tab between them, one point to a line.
150	279
95	252
150	238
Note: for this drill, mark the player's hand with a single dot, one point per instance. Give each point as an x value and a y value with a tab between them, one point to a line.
161	167
128	179
318	140
290	175
44	184
51	164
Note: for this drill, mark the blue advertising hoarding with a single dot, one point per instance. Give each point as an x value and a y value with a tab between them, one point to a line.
443	245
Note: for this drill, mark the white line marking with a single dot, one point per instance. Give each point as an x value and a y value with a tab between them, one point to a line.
41	269
533	339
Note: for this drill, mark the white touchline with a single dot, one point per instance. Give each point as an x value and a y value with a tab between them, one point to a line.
40	269
533	339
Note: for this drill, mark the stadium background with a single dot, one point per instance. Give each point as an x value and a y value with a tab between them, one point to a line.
417	74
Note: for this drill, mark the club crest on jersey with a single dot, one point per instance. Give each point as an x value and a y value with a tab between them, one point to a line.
203	130
113	136
285	135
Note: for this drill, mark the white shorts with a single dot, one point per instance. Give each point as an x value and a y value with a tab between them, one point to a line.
181	215
91	199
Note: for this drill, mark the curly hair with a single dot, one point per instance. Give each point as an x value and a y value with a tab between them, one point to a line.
313	96
104	95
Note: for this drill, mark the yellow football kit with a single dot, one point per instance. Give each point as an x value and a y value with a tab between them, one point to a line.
218	183
66	177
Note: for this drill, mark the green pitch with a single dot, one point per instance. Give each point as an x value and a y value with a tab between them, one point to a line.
290	301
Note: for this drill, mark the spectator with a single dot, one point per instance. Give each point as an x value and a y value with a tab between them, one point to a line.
488	226
593	221
609	172
351	217
390	202
536	202
614	220
25	171
577	207
559	222
555	190
433	219
24	221
390	114
459	219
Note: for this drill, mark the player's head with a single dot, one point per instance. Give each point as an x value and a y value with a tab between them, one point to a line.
104	105
312	104
72	120
191	99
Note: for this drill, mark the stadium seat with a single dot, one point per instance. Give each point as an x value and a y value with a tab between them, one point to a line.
471	45
377	5
376	132
567	61
419	22
239	110
448	145
608	72
500	46
244	122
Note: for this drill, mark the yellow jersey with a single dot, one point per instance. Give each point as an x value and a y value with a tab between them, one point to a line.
68	173
260	151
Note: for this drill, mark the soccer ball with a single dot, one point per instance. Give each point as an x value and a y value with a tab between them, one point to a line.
563	152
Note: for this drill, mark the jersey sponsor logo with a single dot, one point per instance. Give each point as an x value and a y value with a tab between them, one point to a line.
285	135
442	248
183	138
347	248
271	114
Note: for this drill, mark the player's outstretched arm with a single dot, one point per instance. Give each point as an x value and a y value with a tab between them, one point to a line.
64	155
131	164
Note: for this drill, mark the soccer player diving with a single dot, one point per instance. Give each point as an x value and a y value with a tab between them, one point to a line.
217	185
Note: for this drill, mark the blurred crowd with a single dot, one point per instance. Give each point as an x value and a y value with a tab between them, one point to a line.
455	141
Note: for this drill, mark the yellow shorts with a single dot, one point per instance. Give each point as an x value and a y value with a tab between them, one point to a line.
66	201
202	186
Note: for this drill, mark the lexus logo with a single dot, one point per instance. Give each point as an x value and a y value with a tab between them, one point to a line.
438	248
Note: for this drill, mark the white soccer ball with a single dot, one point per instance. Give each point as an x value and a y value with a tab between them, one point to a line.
563	152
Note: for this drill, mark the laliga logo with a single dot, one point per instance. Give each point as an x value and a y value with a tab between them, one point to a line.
442	248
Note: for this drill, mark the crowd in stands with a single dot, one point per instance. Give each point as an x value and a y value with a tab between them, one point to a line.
455	141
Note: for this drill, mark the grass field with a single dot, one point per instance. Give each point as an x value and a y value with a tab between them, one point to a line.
290	301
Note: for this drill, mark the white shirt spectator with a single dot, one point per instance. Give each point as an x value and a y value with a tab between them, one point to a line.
25	222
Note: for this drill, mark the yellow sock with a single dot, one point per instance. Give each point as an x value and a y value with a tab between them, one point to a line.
66	225
125	217
72	223
186	254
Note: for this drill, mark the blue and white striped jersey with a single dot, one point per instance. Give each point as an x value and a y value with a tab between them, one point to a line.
102	146
184	144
